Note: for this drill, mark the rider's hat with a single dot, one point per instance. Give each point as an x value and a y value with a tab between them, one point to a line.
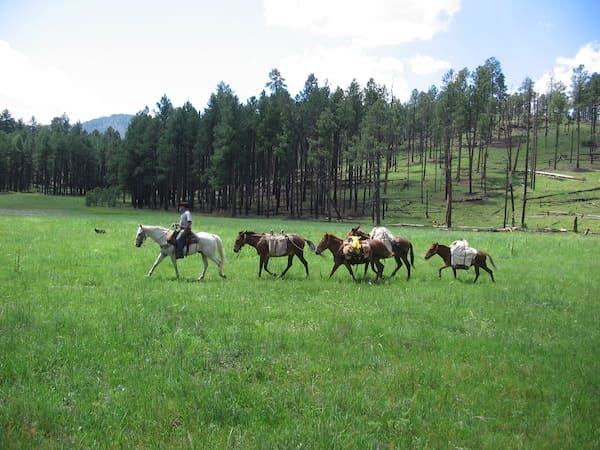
183	203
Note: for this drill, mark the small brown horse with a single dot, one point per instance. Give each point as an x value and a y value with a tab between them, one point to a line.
479	261
377	251
295	247
401	248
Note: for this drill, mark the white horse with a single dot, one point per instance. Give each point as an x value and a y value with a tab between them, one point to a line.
207	244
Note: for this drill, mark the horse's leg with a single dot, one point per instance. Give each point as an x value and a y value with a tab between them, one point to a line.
290	257
381	267
398	265
349	267
218	262
158	260
337	264
443	267
488	270
174	262
264	262
205	262
301	257
476	272
407	263
260	265
221	260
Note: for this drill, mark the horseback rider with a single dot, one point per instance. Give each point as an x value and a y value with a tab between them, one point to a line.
184	226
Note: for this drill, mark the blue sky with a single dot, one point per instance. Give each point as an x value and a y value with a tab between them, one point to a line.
94	58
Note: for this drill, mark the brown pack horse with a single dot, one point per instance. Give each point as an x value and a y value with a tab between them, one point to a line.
295	247
444	252
335	245
401	248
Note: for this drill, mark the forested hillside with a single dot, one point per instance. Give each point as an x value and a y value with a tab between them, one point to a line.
118	122
331	153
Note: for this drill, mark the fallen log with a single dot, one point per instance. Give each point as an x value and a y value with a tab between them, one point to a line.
559	176
564	193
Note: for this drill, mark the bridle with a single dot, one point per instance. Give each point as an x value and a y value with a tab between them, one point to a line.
240	241
140	238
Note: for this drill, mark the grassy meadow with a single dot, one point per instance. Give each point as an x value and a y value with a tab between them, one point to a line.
93	354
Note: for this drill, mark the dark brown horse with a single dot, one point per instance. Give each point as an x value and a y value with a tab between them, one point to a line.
260	241
401	248
377	251
479	261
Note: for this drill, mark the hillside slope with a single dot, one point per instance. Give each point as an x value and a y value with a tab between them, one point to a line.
118	122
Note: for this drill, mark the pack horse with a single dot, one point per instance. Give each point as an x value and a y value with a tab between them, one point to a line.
459	255
208	245
399	247
272	245
351	252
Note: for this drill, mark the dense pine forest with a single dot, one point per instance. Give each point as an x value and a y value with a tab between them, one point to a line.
324	153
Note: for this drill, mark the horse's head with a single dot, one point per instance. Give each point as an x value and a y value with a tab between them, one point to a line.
432	250
140	237
353	231
323	244
357	232
240	240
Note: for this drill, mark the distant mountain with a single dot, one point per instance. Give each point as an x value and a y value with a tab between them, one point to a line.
118	122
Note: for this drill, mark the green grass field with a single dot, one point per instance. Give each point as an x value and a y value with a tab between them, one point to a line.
93	354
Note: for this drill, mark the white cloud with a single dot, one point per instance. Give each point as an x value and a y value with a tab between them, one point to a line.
353	29
588	55
339	66
369	24
27	90
426	65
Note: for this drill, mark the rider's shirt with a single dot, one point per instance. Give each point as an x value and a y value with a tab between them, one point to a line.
185	218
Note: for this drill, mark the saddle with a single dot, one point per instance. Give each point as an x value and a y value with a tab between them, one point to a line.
189	239
172	236
355	249
278	244
462	254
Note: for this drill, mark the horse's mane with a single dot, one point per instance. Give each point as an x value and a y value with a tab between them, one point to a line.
154	227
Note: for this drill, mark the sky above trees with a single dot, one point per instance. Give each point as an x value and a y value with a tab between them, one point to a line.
96	58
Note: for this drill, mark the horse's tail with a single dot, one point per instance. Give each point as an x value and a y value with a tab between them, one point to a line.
311	245
412	254
491	260
220	249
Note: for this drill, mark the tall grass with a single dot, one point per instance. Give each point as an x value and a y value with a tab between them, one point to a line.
95	355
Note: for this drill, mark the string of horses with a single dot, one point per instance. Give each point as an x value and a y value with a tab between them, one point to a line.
357	248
